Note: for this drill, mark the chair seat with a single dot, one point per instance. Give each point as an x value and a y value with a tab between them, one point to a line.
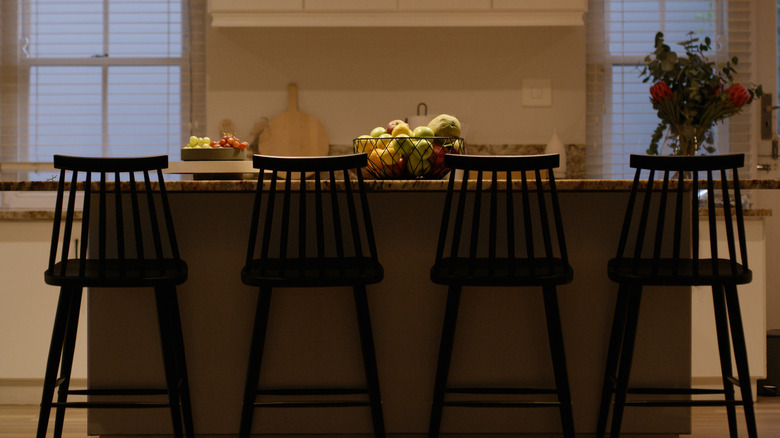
668	272
118	273
322	272
501	272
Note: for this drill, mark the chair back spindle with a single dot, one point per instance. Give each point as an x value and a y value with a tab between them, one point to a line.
110	261
322	209
658	214
502	214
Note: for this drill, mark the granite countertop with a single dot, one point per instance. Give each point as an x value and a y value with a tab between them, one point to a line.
421	185
228	186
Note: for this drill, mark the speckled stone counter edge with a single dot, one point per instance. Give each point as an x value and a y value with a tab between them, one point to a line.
203	186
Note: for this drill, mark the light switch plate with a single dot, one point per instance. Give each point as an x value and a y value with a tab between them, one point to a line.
537	92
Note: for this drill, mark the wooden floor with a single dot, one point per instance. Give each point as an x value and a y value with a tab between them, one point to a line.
21	421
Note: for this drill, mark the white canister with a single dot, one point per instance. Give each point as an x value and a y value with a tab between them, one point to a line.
556	146
421	118
415	121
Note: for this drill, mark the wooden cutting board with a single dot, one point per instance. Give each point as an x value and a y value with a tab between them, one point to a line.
293	132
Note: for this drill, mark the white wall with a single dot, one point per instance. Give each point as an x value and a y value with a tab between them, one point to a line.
27	307
767	76
355	79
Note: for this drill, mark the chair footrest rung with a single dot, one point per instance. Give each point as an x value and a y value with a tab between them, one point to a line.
675	391
311	391
501	404
110	405
510	391
119	391
683	403
312	404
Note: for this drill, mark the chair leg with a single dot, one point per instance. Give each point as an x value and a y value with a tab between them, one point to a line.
445	355
181	362
255	360
740	357
724	348
53	362
613	357
369	359
626	356
67	359
557	350
169	356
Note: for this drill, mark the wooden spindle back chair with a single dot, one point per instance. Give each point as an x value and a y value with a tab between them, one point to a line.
126	240
311	227
502	228
659	246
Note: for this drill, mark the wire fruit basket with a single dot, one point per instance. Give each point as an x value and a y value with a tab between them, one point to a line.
404	157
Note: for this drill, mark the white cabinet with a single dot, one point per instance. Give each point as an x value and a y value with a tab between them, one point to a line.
705	365
257	5
396	13
350	5
533	5
444	5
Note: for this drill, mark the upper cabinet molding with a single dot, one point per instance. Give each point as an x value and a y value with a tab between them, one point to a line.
396	13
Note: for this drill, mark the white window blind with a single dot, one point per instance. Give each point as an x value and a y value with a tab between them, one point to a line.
99	77
620	33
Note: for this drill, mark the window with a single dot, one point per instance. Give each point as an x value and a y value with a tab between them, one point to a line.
98	78
620	33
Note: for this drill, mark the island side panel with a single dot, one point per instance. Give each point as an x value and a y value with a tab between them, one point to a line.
501	337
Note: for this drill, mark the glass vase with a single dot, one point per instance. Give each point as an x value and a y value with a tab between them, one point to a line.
691	141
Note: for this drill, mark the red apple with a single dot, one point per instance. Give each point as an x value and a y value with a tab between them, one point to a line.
390	126
396	169
437	162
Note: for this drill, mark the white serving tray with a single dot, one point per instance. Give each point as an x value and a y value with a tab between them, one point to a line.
195	167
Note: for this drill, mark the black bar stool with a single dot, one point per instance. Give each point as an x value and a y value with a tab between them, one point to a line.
310	233
534	254
648	256
136	249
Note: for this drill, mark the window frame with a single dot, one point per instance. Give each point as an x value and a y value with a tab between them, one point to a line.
16	162
605	158
16	106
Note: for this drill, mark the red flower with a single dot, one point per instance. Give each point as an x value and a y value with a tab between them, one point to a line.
738	95
660	91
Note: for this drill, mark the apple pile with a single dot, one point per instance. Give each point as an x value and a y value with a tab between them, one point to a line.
395	151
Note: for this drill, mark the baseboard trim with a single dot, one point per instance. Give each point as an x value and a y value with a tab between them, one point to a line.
26	391
717	383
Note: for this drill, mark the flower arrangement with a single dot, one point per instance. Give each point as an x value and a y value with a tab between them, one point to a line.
692	94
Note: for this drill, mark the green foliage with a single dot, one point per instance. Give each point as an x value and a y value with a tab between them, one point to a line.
698	99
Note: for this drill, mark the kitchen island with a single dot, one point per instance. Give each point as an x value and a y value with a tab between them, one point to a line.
508	347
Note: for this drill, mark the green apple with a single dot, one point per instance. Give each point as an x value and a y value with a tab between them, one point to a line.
422	131
417	166
379	130
403	144
423	149
384	140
